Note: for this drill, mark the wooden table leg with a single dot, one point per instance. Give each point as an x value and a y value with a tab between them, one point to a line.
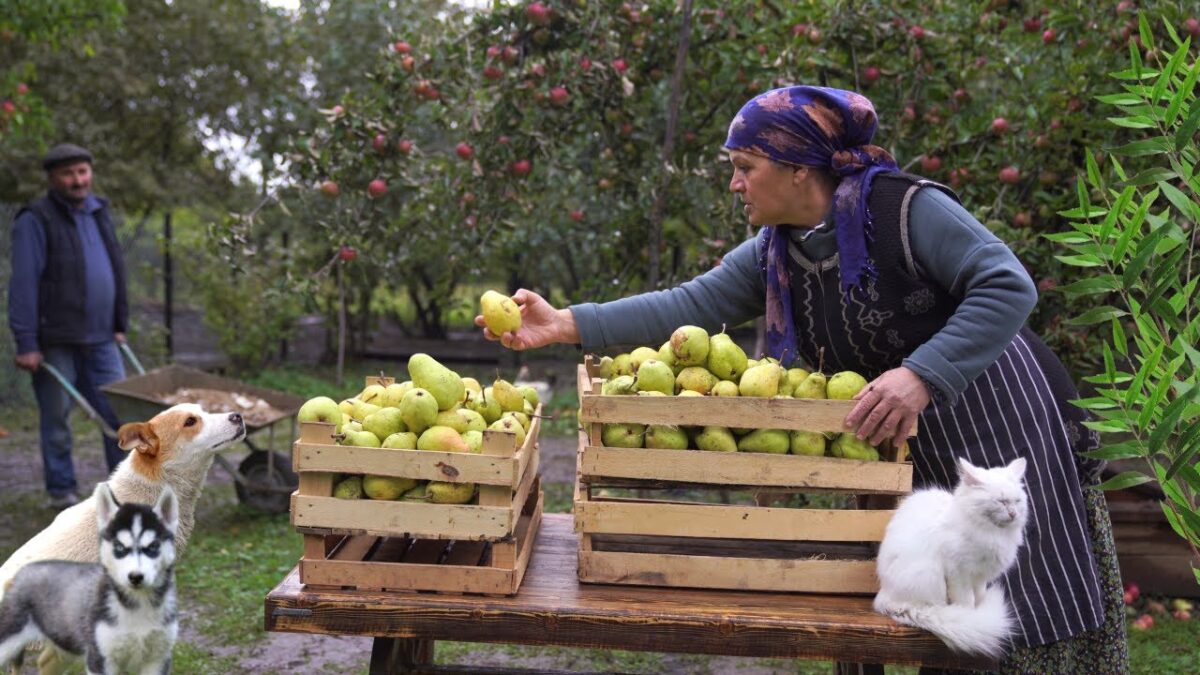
396	656
857	668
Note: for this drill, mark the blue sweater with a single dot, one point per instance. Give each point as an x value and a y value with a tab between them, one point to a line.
950	246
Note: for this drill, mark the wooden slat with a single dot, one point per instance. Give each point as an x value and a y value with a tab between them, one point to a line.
389	519
734	522
353	548
758	413
742	468
451	467
466	553
392	575
747	574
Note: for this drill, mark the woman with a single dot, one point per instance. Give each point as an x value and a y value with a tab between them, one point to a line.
887	274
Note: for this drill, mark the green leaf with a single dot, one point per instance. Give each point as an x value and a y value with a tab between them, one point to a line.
1134	225
1141	257
1124	450
1147	368
1105	283
1181	95
1149	146
1118	337
1107	427
1175	524
1181	201
1144	31
1096	315
1082	260
1134	122
1151	176
1170	420
1185	132
1094	403
1119	99
1067	237
1124	480
1080	212
1093	171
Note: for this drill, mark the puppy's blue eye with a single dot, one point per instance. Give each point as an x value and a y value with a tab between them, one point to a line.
119	550
152	549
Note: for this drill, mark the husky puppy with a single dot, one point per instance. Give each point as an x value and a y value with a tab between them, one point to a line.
118	614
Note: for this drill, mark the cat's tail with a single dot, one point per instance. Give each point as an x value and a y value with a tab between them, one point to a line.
983	629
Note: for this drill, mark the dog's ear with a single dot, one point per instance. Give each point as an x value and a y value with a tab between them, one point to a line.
138	436
106	505
167	508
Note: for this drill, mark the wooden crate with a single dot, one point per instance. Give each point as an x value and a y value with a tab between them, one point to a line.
660	540
396	545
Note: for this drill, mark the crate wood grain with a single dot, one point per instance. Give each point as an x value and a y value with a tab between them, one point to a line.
657	539
367	562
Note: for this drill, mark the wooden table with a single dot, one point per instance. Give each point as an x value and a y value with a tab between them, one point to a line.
553	608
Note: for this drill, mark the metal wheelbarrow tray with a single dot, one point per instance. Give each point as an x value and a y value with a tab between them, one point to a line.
263	480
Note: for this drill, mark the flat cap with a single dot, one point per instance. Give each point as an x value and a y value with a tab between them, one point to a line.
65	153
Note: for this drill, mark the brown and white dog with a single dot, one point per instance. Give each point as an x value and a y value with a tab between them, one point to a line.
174	448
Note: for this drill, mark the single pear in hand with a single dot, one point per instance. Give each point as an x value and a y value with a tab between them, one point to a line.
500	313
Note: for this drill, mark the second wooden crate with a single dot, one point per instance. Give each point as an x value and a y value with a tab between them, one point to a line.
655	537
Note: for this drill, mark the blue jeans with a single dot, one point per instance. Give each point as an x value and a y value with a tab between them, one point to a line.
88	367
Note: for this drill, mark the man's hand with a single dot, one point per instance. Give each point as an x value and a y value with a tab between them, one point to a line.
888	407
119	337
541	324
30	361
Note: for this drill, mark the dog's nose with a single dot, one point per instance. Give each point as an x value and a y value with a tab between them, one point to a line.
135	578
236	418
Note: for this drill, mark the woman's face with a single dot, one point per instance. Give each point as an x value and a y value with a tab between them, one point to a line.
769	190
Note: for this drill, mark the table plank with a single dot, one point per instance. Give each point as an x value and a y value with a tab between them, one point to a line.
553	608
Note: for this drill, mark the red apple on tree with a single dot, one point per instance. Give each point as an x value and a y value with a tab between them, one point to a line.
8	107
585	64
1032	24
870	74
1022	219
380	143
620	66
408	63
999	125
464	150
1049	35
338	110
1192	26
404	146
917	32
510	55
23	88
377	188
931	163
347	254
503	140
1010	175
521	168
494	52
961	95
559	96
537	13
402	47
493	73
576	215
330	188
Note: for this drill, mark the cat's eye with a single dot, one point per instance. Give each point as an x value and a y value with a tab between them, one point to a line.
190	422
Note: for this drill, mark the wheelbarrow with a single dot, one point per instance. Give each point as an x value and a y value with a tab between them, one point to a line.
264	480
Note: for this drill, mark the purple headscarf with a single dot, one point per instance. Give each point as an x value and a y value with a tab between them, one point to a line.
826	128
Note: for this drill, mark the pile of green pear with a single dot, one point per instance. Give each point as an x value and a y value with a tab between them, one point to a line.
693	363
435	410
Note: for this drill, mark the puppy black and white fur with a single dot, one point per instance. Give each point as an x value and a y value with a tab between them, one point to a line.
119	615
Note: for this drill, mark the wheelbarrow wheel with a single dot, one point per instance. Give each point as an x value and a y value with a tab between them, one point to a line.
260	488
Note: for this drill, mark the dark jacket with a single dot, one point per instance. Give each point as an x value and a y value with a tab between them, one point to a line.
61	288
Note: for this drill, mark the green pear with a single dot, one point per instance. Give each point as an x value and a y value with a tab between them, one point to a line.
696	379
349	488
441	439
404	440
809	443
449	493
750	363
500	314
654	375
667	356
508	396
392	395
848	446
512	425
761	380
472	384
530	394
845	385
445	384
666	437
417	494
361	439
370	393
484	404
321	409
362	410
771	441
475	421
384	422
716	439
474	441
726	359
622	365
520	417
451	418
725	388
792	379
689	392
530	408
346	419
650	393
621	385
640	355
352	425
813	386
419	410
386	487
690	344
347	406
623	435
606	367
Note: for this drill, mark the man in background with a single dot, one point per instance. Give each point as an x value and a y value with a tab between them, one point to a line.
67	308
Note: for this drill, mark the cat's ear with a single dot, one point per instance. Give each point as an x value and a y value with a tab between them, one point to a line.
1016	468
966	473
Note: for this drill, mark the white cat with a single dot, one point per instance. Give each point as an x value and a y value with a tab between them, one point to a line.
942	550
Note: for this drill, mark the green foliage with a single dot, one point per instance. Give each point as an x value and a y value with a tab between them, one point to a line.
1134	233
